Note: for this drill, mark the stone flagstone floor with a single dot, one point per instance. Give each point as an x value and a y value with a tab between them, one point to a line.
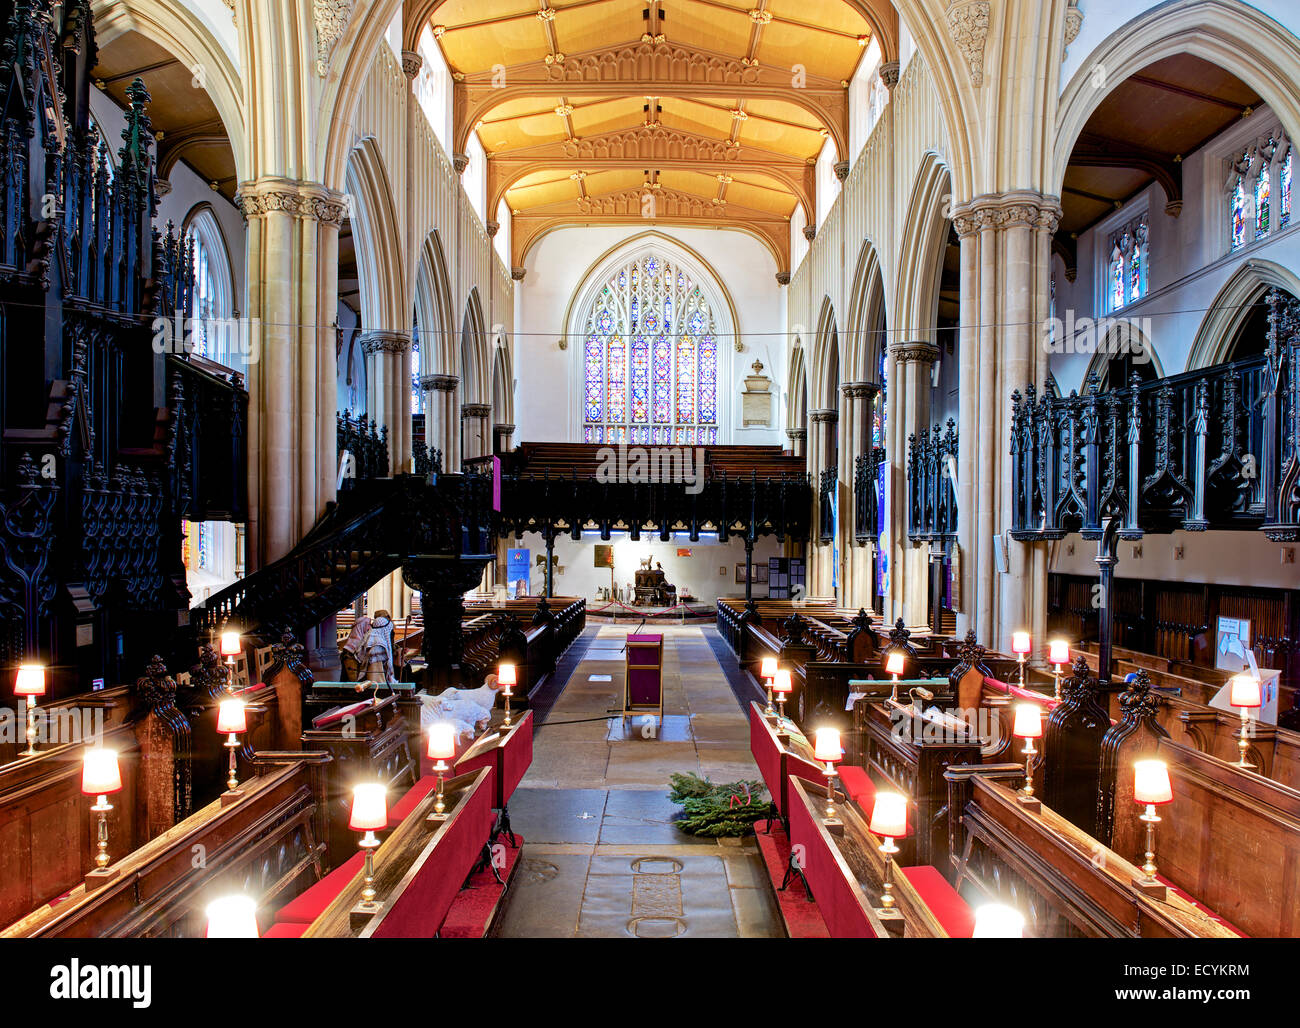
601	856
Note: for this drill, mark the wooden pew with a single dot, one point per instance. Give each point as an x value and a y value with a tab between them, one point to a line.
509	752
1065	882
267	844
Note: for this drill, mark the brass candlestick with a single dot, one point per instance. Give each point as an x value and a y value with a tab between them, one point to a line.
1028	791
101	808
232	744
368	843
887	895
1243	744
439	805
770	709
31	728
1149	868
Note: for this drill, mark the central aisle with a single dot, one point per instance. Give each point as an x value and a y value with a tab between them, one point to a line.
601	856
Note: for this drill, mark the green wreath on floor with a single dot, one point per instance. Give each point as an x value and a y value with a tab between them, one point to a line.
717	810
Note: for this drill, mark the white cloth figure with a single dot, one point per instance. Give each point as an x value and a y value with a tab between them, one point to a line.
379	650
470	710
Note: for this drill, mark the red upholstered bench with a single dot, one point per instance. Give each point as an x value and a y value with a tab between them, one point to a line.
333	717
285	930
858	786
843	904
949	909
401	810
775	763
305	908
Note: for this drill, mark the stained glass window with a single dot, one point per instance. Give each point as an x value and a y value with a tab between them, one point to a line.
650	359
1261	202
417	394
1237	213
1126	275
1284	192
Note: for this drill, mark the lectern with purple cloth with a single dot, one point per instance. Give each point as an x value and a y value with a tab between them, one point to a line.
643	684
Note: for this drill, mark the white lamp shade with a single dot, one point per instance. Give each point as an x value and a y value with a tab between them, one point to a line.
232	917
889	815
1151	782
1028	723
30	680
1245	691
768	669
442	741
994	921
232	718
506	675
1058	652
369	808
230	644
894	663
827	746
100	773
1020	642
781	683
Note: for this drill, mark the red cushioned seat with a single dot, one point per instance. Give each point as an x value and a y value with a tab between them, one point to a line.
304	909
333	717
285	930
858	785
401	810
949	909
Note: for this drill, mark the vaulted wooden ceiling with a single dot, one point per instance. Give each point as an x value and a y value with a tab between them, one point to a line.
185	120
1140	133
698	112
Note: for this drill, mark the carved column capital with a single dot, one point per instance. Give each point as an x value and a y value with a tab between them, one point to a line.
382	340
475	410
517	274
841	170
439	383
783	278
825	416
264	196
810	232
889	73
915	352
412	62
995	211
493	227
796	434
859	390
460	162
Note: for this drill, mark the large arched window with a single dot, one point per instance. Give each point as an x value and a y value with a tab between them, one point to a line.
650	358
213	300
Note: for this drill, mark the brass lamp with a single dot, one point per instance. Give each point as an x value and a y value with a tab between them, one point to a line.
767	672
889	819
369	815
30	683
827	750
1151	787
232	721
1021	645
231	647
442	747
507	680
1244	695
1058	653
100	776
782	686
232	917
1028	725
894	667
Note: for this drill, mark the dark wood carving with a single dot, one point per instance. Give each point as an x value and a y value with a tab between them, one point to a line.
1072	749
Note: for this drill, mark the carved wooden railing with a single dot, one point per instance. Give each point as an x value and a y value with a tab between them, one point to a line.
866	495
931	497
366	447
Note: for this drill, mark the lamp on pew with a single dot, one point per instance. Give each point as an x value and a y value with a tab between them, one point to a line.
442	747
827	749
1151	787
506	679
995	921
1058	653
1021	645
1244	695
894	666
767	672
889	819
232	917
369	814
782	686
30	683
232	721
100	776
231	647
1028	725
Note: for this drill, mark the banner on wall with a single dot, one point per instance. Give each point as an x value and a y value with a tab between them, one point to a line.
518	572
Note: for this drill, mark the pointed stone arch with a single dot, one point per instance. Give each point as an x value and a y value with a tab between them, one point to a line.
384	303
1231	307
867	317
434	310
475	362
827	359
916	301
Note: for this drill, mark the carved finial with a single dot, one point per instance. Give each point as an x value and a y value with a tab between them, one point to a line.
156	689
970	652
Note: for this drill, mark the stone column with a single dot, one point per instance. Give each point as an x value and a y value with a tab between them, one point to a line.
1005	254
292	248
501	435
797	437
825	423
474	420
911	411
859	399
441	418
387	391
